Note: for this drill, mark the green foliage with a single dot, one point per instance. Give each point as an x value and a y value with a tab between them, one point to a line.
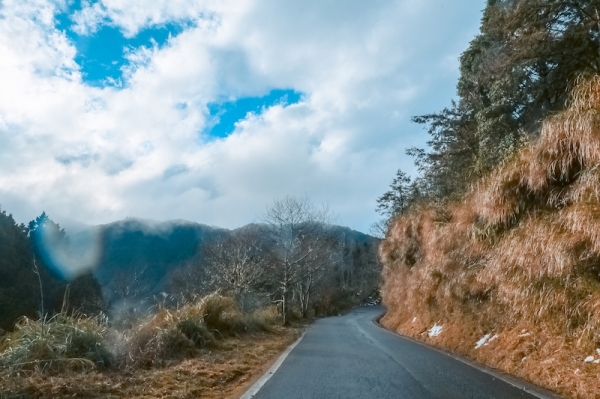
19	294
517	70
402	194
19	287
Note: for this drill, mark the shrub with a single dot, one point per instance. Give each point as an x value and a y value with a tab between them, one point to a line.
65	342
222	315
166	335
266	317
179	333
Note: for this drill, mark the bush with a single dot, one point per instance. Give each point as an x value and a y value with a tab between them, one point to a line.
222	315
157	339
62	343
266	317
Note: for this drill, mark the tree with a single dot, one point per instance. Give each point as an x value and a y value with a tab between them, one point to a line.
51	248
517	70
298	230
397	200
19	290
234	263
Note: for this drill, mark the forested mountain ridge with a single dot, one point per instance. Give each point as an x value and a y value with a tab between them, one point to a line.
135	261
136	256
140	258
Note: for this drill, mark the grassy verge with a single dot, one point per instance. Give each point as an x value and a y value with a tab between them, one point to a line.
203	349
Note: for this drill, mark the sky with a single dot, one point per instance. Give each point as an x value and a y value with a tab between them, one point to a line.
208	110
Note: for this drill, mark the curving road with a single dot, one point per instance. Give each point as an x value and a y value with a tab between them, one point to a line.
351	357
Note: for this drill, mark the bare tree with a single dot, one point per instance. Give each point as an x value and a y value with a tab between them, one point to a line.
190	281
301	247
234	263
129	284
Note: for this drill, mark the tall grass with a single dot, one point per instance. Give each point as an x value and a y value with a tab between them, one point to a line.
72	342
517	257
64	342
184	332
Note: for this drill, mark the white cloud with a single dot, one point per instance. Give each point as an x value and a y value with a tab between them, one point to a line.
135	15
97	155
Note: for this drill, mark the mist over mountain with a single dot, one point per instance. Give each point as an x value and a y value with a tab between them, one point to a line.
137	256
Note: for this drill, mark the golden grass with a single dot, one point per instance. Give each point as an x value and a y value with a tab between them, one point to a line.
212	374
518	258
62	343
205	348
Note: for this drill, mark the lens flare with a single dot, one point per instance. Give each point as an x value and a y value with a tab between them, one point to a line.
67	257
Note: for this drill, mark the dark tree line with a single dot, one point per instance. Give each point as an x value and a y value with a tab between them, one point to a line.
518	70
29	284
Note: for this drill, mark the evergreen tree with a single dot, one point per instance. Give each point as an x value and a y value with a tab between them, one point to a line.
517	70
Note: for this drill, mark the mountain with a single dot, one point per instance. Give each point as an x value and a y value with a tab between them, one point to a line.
137	255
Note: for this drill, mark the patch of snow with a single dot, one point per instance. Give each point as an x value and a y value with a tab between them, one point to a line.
482	341
589	359
596	361
485	340
598	351
414	319
525	334
435	330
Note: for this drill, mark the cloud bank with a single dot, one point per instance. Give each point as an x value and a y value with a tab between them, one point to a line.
143	148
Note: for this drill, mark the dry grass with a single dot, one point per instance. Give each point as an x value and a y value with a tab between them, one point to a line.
212	374
206	348
63	343
518	258
172	334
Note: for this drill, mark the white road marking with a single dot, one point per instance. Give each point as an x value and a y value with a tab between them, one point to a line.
262	380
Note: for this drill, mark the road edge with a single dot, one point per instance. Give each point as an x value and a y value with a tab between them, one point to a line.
253	390
540	392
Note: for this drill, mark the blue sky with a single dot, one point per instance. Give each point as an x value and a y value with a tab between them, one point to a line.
102	58
208	110
101	55
225	114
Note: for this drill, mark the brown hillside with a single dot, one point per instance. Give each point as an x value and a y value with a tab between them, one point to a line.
516	261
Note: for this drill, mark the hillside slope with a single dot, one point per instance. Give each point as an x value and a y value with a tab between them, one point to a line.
138	257
510	275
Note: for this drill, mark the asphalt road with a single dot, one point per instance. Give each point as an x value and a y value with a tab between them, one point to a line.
351	357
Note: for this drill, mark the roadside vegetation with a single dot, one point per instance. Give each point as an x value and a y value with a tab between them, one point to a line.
493	250
206	347
204	325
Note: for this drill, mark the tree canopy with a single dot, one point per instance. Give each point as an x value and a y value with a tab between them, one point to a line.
516	71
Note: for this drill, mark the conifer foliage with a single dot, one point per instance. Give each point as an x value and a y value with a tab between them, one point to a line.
34	289
516	71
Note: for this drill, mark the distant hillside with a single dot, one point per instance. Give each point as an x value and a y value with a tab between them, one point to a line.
510	274
137	257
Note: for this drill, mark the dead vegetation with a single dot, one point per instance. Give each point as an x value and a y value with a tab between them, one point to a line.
205	348
517	260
